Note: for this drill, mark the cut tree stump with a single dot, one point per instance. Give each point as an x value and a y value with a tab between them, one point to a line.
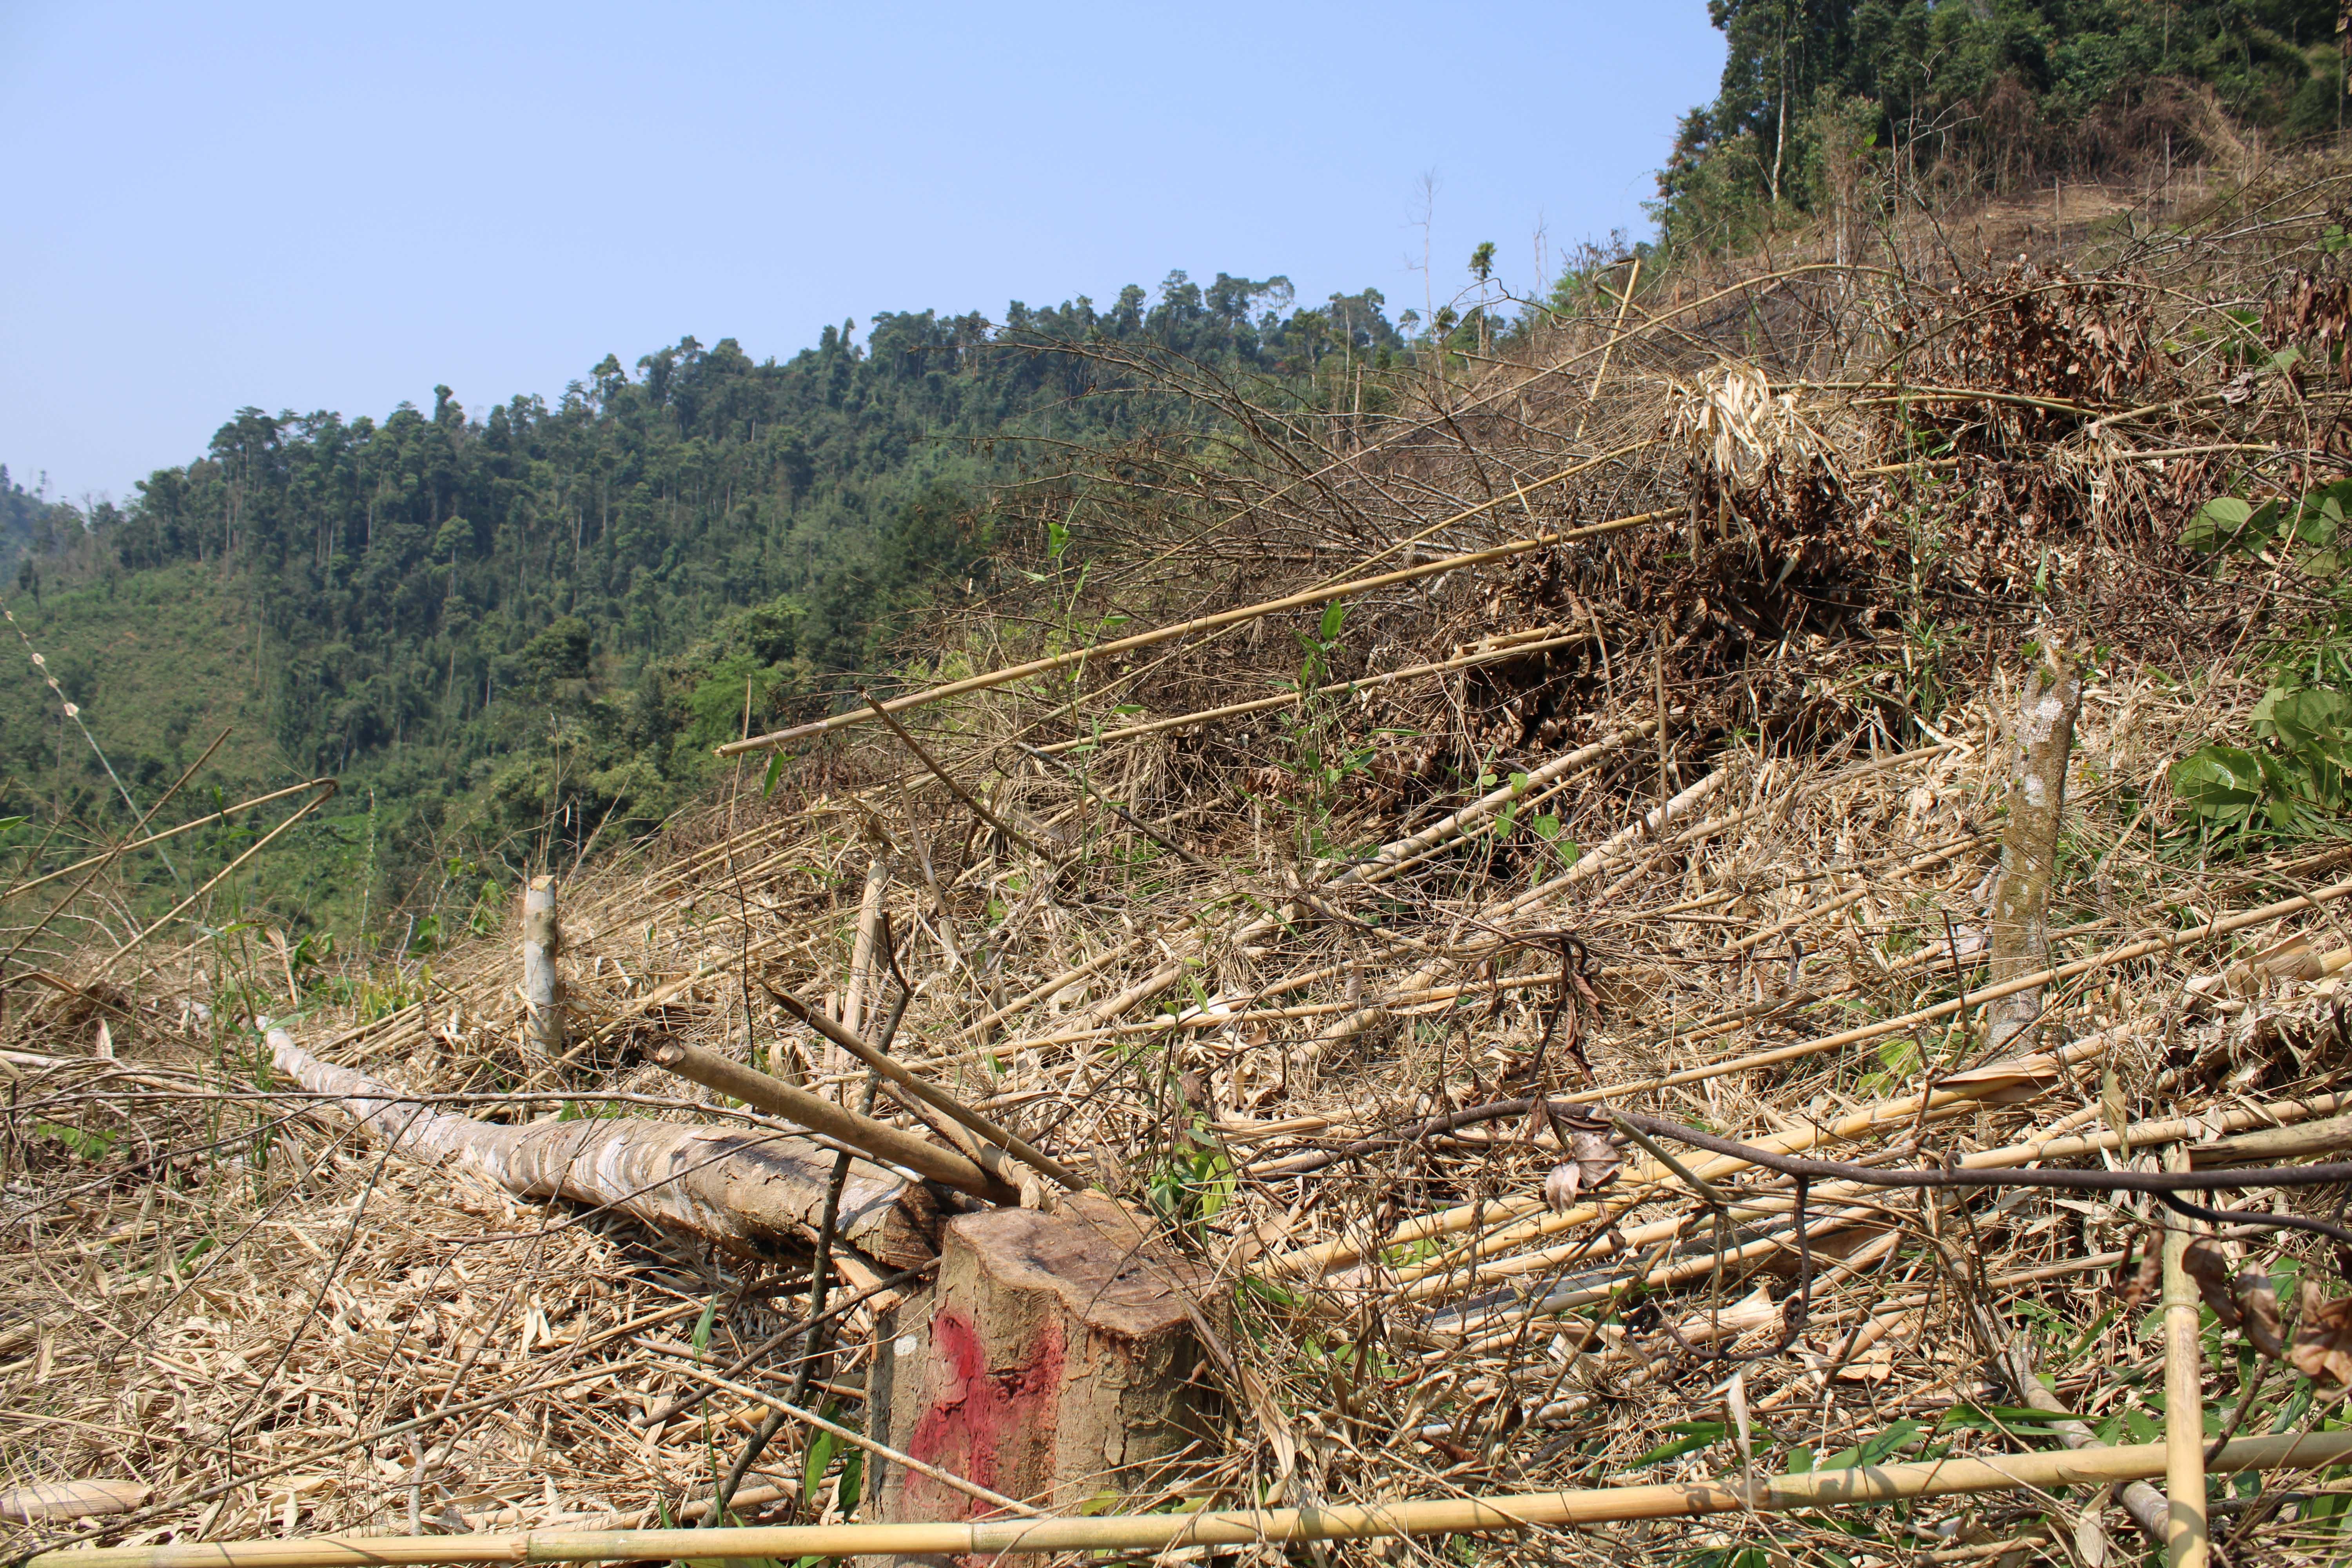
542	939
1052	1362
2043	736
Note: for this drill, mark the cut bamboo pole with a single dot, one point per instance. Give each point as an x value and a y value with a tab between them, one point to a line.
2043	736
939	1100
877	1139
2185	1542
1308	600
1158	1532
1494	651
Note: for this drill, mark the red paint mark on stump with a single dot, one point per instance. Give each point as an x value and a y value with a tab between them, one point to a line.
993	1426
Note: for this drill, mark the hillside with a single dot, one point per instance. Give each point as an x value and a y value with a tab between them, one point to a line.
1829	109
508	632
1708	934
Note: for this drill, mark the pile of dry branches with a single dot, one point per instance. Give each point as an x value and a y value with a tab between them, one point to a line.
1367	823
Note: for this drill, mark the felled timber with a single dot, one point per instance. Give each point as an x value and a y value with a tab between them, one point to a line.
743	1188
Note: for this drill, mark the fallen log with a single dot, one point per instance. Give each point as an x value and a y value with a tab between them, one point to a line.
747	1188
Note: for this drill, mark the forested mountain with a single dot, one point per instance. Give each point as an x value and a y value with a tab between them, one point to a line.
31	522
1819	96
504	631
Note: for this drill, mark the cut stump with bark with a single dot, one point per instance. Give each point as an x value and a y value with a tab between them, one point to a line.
1052	1362
542	939
2043	737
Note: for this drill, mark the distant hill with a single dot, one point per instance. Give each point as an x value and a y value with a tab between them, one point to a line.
505	631
1829	104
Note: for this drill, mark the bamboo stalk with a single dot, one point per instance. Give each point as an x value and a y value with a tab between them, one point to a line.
1509	1513
326	788
224	814
542	939
2185	1542
1308	600
877	1139
939	1100
1502	649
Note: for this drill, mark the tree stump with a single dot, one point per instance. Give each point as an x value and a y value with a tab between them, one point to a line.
1052	1363
542	939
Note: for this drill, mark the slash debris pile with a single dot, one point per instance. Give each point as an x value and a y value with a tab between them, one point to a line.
1366	844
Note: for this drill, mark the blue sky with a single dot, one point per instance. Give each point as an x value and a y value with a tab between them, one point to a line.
309	207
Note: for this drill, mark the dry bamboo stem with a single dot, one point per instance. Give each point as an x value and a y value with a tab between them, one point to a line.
2185	1542
861	954
1503	648
2143	1135
1859	1487
1978	997
326	788
224	814
1068	978
939	1100
1650	826
877	1140
1997	1079
1308	600
1394	855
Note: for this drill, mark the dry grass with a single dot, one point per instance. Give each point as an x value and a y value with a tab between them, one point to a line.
1194	981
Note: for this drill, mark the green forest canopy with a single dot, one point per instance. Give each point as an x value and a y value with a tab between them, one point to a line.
501	633
1992	95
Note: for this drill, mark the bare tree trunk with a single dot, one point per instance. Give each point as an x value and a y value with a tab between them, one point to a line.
2044	735
542	939
743	1188
862	965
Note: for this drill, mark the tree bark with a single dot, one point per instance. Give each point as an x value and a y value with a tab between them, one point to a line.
542	939
1052	1363
2043	736
744	1188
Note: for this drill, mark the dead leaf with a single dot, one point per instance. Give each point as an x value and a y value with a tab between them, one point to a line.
2204	1263
2259	1303
1873	1364
2091	1541
2144	1284
2323	1341
1560	1187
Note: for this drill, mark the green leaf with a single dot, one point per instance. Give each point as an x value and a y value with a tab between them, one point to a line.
1057	540
702	1325
820	1454
2313	717
2219	783
1992	1417
852	1485
1334	616
775	769
2215	523
1547	826
1697	1435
